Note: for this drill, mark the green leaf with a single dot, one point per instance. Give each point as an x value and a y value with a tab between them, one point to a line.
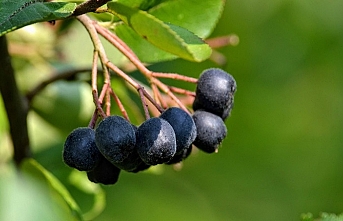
141	4
145	51
175	40
80	181
33	168
17	14
199	17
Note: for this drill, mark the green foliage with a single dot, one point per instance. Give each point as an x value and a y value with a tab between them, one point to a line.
141	4
24	197
201	21
163	33
168	37
34	169
17	14
284	154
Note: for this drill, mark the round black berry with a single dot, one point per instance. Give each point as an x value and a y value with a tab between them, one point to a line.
80	150
183	125
105	173
133	162
115	138
215	91
211	131
156	141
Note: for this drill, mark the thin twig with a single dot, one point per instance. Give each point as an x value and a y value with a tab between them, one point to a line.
93	120
98	105
95	71
108	103
158	94
121	46
174	76
155	92
145	106
182	91
120	105
166	90
159	108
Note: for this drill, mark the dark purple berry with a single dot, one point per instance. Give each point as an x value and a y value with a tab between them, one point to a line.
215	92
133	162
105	173
156	141
141	167
115	138
211	131
178	157
183	125
80	150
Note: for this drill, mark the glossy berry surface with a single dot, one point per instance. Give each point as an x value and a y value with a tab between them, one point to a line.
156	141
214	92
211	131
105	173
115	138
183	125
80	150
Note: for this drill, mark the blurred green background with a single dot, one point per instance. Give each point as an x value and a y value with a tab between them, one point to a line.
284	151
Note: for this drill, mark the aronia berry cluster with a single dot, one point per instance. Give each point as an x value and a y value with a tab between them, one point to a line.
117	145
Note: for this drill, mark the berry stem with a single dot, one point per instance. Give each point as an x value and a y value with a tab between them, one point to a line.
103	92
122	47
98	105
92	28
156	92
95	71
96	112
182	91
145	105
120	105
108	103
92	122
174	76
159	108
166	90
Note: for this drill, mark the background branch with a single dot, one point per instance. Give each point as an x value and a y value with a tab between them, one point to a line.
16	105
89	6
63	75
